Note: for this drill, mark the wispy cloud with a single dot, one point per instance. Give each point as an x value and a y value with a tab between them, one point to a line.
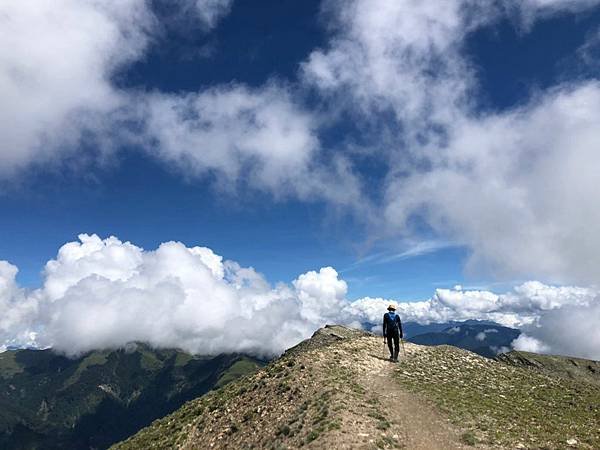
412	250
419	249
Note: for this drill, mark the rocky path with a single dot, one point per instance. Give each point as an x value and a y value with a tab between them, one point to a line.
401	419
419	426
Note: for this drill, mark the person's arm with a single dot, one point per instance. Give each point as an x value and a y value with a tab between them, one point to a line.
400	326
384	325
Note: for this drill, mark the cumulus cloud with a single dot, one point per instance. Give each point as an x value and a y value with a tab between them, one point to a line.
553	319
106	293
57	84
56	62
227	128
261	136
516	187
17	325
512	186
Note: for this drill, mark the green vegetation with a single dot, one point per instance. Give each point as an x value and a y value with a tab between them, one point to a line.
149	360
561	366
182	359
93	359
9	365
50	401
502	405
238	369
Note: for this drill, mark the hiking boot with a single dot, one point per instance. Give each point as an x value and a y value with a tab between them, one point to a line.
395	355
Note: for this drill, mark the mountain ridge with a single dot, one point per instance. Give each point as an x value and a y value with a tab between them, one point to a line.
484	339
335	390
568	367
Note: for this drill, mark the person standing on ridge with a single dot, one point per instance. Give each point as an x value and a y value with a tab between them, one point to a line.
392	331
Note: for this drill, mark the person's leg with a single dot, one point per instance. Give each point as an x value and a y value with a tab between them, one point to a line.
396	346
389	342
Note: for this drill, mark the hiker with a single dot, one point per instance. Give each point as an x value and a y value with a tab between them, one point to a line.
392	330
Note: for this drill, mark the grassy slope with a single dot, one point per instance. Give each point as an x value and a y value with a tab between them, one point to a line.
503	405
292	402
47	400
563	366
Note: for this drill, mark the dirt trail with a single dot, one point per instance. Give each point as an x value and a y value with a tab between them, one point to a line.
419	425
384	415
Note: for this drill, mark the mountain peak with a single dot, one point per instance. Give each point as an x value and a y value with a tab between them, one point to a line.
327	335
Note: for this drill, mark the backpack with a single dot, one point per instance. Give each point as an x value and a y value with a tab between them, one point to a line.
392	323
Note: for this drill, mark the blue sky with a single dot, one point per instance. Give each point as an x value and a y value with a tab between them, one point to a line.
139	197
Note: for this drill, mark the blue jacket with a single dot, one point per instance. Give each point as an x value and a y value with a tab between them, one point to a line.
392	323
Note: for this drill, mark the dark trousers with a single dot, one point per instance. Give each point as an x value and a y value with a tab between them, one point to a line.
395	338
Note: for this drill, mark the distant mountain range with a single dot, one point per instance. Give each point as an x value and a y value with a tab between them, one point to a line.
414	329
484	339
48	401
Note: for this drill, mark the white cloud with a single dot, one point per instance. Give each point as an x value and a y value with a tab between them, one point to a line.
512	186
18	311
56	61
57	67
553	319
568	330
227	128
528	344
501	349
106	293
532	10
256	135
515	187
412	250
518	308
322	294
211	11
